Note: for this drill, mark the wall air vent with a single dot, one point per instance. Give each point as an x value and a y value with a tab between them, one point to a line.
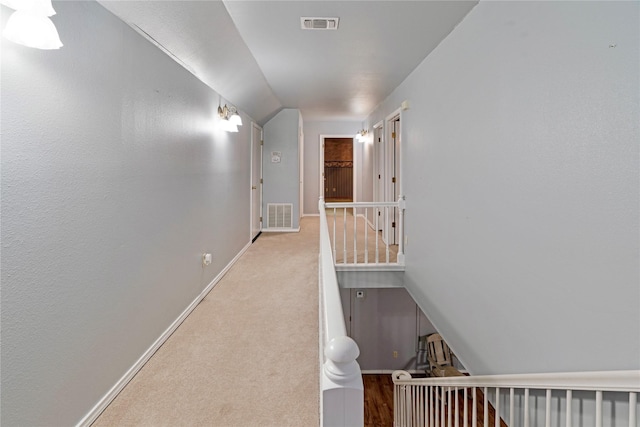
308	23
279	215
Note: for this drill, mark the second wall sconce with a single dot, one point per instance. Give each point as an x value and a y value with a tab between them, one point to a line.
230	119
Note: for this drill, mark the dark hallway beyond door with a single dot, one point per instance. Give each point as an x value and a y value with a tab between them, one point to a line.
338	169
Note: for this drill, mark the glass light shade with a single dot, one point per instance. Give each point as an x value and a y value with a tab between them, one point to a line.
32	31
226	125
236	119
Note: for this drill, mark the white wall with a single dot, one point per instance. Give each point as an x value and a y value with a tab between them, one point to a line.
282	180
521	176
312	147
114	182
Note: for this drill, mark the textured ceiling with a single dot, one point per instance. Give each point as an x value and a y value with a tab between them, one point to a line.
256	56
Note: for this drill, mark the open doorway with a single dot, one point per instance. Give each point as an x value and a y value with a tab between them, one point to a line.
338	169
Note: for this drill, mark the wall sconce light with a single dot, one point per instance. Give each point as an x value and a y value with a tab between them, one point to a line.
362	135
230	119
30	25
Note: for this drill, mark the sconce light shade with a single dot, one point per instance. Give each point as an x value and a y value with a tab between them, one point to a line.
227	126
30	25
236	119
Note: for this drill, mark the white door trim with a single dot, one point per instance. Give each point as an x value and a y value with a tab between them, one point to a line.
255	180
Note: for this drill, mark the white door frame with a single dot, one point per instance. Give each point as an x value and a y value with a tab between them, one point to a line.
393	166
321	164
255	181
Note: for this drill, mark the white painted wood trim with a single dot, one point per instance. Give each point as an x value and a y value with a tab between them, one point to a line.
281	230
103	403
625	381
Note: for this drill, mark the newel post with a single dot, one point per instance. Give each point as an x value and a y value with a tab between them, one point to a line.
342	388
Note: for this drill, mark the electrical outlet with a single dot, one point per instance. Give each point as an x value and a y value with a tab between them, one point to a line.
206	259
395	354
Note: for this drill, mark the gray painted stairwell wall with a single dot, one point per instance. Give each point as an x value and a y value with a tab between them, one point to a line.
521	155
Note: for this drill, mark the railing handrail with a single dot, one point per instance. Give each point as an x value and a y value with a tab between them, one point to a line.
342	390
624	381
333	314
360	204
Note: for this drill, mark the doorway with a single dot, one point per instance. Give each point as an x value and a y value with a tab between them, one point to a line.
338	169
392	180
256	181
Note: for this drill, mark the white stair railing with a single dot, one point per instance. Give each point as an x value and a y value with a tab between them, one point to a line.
342	390
364	233
602	399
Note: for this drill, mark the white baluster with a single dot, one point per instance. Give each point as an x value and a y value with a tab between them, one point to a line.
355	234
497	417
334	235
344	237
457	411
366	235
377	215
569	409
474	409
632	409
512	395
526	407
449	411
547	414
598	408
486	407
466	410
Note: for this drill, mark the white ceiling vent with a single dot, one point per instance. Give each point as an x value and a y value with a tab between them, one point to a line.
308	23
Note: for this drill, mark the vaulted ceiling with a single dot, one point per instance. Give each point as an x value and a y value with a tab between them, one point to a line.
255	54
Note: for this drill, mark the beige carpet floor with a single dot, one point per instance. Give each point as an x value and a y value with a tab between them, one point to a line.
247	355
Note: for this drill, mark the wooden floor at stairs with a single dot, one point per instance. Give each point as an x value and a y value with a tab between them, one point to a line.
378	400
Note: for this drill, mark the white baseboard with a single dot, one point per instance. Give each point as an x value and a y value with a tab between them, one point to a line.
281	230
102	404
303	215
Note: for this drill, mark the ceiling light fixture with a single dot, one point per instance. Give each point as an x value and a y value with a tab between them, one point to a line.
230	118
30	25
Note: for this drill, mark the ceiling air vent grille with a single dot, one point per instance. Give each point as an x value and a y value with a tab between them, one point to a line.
308	23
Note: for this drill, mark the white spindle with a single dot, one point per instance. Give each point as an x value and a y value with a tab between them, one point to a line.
437	405
449	411
547	411
632	409
377	215
512	395
443	413
569	409
526	407
355	235
366	235
334	234
456	396
432	415
497	417
598	408
474	409
386	243
486	407
344	237
466	409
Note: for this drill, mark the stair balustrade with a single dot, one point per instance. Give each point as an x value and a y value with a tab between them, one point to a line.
584	399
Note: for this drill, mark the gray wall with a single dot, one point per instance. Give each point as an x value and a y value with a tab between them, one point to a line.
521	175
114	182
312	132
282	180
383	321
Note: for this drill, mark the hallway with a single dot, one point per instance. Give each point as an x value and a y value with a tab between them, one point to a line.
247	355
